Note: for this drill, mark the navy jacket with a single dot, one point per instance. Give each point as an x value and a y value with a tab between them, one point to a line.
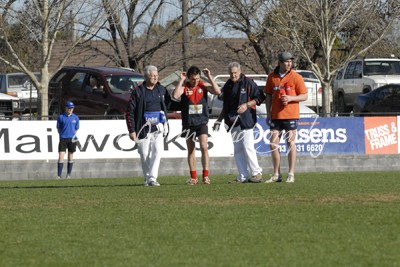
137	106
248	91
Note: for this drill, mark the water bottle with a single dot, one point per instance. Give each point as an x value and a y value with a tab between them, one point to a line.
282	92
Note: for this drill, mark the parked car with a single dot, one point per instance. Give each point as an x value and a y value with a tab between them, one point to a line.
314	88
95	91
10	107
361	76
383	101
20	85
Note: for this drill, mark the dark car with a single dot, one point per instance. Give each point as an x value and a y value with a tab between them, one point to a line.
383	101
101	91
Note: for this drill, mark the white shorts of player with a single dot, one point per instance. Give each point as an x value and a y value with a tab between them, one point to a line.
245	153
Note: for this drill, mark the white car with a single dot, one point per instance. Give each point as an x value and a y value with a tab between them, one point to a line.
8	106
20	85
360	76
314	88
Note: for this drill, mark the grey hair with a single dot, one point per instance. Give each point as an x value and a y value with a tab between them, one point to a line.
233	64
148	69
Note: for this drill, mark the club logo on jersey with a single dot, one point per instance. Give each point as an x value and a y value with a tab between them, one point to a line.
243	90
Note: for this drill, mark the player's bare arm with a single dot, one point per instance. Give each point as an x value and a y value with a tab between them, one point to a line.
178	91
211	87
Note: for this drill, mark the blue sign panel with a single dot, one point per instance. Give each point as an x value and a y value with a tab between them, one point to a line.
317	136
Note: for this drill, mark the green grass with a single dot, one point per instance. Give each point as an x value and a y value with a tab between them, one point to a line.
323	219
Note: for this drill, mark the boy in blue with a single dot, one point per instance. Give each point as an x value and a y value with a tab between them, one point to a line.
67	126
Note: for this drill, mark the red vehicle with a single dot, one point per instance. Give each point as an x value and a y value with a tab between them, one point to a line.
95	91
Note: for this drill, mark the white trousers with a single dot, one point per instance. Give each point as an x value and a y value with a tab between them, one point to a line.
150	150
245	153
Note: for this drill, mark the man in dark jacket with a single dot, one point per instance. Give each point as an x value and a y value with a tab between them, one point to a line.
240	96
146	119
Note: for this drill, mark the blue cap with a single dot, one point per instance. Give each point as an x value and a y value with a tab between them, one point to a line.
69	104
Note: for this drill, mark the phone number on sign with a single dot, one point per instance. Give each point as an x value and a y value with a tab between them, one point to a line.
303	148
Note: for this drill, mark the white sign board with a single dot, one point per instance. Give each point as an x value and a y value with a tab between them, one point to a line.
38	140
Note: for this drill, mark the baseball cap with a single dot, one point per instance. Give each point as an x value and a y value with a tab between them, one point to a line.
285	56
69	104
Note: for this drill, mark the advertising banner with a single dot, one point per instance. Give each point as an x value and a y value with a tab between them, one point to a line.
26	140
381	135
30	140
317	136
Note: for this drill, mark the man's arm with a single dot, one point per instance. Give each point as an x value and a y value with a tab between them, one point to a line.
268	105
213	88
293	98
218	122
178	91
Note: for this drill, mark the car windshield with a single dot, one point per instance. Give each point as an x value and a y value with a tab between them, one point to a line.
123	84
308	75
19	80
381	67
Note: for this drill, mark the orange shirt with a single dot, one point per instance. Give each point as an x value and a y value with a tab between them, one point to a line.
276	86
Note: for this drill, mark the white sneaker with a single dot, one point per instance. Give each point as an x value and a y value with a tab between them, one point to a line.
192	181
153	183
68	177
290	178
276	178
58	178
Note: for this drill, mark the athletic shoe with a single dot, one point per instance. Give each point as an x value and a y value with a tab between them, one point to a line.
290	178
276	178
58	177
256	178
206	180
153	183
68	177
192	181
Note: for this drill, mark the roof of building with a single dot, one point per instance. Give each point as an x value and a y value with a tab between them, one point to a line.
212	53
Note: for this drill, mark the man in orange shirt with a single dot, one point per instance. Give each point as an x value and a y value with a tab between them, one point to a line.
284	90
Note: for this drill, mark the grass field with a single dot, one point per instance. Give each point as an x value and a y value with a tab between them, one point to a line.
323	219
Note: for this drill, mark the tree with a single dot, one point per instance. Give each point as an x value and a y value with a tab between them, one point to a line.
43	21
135	28
247	17
354	26
324	34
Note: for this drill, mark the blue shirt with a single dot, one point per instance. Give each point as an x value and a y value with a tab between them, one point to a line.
67	125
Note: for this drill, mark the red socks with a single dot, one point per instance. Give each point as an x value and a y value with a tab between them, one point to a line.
193	174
